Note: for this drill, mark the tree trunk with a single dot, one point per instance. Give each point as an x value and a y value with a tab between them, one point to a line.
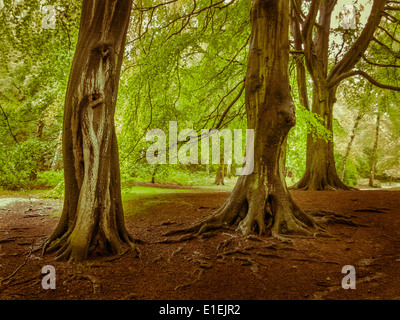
153	177
373	155
92	219
229	171
353	134
301	75
55	161
320	173
219	177
260	202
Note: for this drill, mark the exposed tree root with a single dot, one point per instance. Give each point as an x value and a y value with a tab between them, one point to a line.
203	263
131	296
24	281
174	253
9	278
373	210
199	274
68	247
261	216
96	284
225	242
327	217
316	261
328	182
136	249
156	259
10	239
183	238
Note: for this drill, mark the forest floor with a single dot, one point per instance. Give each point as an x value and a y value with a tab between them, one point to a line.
223	266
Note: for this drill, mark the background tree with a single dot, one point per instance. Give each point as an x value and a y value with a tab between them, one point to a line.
321	171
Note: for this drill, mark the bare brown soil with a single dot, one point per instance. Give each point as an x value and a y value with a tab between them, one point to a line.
223	266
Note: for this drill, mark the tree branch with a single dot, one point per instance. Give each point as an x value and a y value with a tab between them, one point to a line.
354	54
153	7
365	76
393	53
389	35
298	13
8	124
309	22
390	8
390	17
230	106
380	64
222	99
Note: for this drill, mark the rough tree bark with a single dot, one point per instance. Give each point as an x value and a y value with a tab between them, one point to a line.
92	220
320	173
260	202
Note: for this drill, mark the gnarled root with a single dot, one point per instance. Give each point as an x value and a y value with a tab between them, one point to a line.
69	246
257	212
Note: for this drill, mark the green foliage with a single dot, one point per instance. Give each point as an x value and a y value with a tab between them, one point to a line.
351	174
190	76
49	179
19	163
306	123
58	191
34	68
363	166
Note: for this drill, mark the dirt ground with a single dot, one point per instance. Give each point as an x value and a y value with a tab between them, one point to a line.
225	266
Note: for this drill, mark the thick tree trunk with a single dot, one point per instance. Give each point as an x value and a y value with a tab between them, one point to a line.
348	148
260	202
92	218
320	173
373	154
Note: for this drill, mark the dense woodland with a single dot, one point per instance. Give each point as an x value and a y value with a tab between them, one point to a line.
186	61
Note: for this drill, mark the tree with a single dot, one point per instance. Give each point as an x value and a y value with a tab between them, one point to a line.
373	155
92	219
260	202
321	171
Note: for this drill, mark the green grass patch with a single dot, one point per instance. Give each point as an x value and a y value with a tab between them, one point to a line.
23	193
138	192
138	199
